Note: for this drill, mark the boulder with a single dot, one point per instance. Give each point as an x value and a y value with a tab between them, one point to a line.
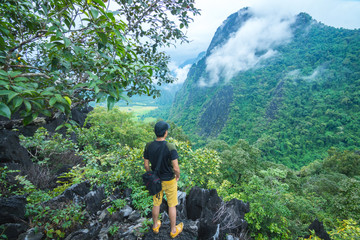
93	200
12	209
181	212
217	219
125	211
230	218
31	234
201	202
77	114
319	229
134	216
13	230
11	152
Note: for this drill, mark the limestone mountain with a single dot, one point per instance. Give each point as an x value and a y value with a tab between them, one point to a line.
291	86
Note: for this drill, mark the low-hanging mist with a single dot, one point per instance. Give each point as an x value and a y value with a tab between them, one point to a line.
253	42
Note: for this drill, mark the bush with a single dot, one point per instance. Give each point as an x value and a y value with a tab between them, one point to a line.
112	127
346	230
44	147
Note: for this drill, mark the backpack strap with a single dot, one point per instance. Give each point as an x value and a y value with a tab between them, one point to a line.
157	168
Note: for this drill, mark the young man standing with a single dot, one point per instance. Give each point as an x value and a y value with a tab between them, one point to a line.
169	175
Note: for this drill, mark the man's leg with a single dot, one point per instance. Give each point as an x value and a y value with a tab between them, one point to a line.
172	216
157	199
155	215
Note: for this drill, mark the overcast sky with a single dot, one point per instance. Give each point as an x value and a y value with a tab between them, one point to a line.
337	13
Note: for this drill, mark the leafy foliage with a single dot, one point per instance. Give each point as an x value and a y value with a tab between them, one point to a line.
43	147
346	229
108	129
6	188
55	55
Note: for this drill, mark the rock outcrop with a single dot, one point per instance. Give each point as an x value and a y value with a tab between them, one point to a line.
204	214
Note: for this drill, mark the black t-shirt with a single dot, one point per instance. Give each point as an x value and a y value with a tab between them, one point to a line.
167	152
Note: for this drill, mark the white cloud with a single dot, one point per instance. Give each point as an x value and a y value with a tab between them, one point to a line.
179	73
253	43
269	28
337	13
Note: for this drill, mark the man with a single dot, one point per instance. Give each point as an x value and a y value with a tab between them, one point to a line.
169	174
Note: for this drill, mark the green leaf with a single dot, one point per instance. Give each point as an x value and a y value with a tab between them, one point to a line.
46	93
21	79
14	74
5	84
110	102
59	127
5	110
27	105
94	12
68	100
103	37
111	16
59	98
12	95
67	42
60	107
46	113
52	101
5	92
100	2
96	89
78	50
52	28
3	73
17	102
30	118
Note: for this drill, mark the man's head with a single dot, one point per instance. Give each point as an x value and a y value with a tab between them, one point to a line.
160	128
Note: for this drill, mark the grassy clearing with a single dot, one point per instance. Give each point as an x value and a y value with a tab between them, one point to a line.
139	111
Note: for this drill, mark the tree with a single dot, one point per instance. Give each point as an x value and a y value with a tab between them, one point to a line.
58	54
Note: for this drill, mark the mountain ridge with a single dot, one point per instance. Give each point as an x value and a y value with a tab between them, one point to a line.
319	62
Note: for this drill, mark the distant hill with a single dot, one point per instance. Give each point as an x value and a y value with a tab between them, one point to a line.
294	95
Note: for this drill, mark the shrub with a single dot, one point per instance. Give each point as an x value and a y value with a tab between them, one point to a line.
346	230
44	147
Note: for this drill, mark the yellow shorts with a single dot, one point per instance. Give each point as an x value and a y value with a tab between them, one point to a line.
170	188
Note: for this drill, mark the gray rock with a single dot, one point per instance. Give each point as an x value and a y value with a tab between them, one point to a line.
103	234
181	212
12	209
31	234
230	237
80	189
13	230
116	217
134	216
126	211
165	218
11	151
104	215
217	219
93	200
74	193
82	234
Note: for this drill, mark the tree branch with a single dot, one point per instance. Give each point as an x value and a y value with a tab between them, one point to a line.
131	27
26	66
38	34
32	75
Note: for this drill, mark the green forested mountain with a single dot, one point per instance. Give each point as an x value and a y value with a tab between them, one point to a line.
293	106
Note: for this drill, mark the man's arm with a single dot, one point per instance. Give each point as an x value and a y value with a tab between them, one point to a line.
146	164
176	168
